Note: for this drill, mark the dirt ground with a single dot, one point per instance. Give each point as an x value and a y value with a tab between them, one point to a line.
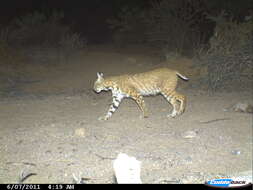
49	123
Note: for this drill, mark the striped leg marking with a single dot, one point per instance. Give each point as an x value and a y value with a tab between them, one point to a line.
172	100
182	101
115	104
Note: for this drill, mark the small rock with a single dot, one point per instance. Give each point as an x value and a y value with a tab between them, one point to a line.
236	152
243	107
80	132
189	134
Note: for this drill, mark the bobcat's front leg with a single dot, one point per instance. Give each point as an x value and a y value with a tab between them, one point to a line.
115	104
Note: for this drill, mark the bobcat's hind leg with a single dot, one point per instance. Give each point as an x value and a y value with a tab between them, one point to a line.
182	99
173	101
173	98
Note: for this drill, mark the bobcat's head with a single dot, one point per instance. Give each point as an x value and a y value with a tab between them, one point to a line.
99	83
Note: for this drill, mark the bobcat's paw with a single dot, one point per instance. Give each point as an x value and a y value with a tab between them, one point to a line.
173	114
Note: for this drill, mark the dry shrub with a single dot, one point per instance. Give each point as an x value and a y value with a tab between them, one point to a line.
128	26
73	42
4	47
11	60
229	58
174	25
8	55
44	30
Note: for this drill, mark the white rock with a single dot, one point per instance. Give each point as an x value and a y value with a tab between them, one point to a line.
189	134
127	169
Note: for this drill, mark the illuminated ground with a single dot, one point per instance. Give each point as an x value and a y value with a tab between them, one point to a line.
49	126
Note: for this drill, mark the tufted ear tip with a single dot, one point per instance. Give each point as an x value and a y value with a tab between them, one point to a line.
100	75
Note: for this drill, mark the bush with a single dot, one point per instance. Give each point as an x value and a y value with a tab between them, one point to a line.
72	42
4	47
10	58
170	25
6	52
128	26
174	25
229	57
39	29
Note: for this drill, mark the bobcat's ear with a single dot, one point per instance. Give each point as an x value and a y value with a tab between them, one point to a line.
100	75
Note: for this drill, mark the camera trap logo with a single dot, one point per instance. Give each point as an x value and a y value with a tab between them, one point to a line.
228	183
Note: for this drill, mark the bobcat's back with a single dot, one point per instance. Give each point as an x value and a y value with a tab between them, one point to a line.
148	83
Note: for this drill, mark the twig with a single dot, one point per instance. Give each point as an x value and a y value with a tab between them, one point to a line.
214	120
29	163
104	158
23	176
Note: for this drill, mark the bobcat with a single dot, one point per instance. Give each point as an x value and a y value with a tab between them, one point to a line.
159	81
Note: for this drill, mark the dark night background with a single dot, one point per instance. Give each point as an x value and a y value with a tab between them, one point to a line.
87	17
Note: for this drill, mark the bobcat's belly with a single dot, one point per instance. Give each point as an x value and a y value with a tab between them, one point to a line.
149	91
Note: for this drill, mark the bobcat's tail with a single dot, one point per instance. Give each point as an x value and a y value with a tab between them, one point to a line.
182	76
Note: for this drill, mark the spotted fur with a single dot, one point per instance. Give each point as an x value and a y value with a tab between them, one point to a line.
159	81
